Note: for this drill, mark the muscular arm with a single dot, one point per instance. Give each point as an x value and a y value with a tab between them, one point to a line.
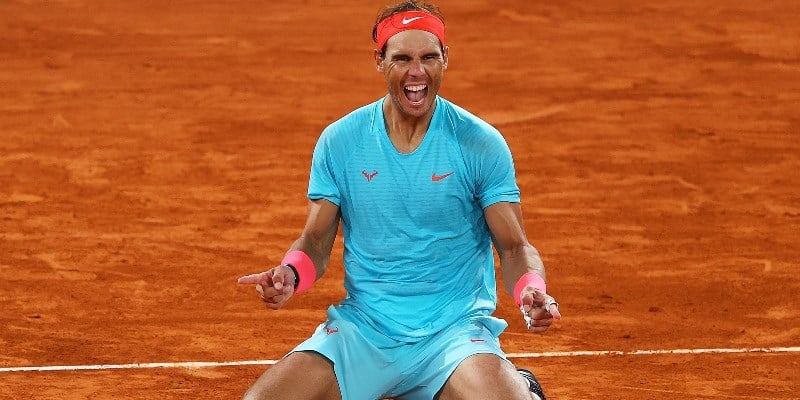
517	256
322	224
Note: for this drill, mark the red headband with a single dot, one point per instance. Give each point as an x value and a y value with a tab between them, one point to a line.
408	20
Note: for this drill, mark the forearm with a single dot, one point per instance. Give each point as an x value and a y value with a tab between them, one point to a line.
517	261
318	235
317	249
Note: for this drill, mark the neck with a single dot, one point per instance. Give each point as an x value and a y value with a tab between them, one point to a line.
405	131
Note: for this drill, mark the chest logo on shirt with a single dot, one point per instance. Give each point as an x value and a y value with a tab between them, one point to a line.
329	330
437	178
368	175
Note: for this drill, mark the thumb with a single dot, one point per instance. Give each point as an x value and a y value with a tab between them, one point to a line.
526	300
279	278
532	298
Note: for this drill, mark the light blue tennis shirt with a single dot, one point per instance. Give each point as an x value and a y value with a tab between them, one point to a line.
417	249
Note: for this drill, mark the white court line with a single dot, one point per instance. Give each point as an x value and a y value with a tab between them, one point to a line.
214	364
654	352
187	364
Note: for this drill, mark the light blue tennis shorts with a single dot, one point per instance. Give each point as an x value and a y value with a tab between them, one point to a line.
369	365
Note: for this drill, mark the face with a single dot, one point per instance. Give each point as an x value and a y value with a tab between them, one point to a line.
413	67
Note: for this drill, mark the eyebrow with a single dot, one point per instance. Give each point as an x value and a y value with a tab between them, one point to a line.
424	55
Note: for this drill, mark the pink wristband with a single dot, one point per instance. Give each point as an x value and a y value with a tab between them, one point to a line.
529	279
306	271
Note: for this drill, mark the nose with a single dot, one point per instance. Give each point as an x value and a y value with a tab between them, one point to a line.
416	69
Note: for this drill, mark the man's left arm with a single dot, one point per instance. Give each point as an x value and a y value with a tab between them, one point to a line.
522	267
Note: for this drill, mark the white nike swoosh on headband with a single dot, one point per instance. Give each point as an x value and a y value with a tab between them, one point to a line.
410	20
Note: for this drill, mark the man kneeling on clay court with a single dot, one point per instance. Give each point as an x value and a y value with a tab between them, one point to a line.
423	190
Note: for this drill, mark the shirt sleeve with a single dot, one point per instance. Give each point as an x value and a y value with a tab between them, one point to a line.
322	179
496	180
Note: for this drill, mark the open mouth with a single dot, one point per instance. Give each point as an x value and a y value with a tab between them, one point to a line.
416	93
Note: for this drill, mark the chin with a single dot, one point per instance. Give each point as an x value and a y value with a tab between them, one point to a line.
417	110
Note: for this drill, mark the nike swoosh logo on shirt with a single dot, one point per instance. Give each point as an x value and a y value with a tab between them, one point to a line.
410	20
437	178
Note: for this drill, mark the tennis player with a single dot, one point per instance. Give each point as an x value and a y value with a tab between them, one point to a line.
422	189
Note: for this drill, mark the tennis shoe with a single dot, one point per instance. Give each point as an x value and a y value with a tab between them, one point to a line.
533	384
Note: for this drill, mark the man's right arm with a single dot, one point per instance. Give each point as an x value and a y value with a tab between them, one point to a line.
319	233
276	285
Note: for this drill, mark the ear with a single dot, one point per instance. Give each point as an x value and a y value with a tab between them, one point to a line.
378	60
445	56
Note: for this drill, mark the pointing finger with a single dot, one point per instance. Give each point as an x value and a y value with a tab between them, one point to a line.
250	279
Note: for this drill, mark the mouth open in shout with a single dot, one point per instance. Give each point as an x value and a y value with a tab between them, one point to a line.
416	93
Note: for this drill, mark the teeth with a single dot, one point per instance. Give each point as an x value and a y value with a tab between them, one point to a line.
416	88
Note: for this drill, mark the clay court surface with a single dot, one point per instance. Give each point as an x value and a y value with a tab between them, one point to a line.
152	152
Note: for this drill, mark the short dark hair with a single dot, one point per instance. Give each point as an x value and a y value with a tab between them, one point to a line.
408	5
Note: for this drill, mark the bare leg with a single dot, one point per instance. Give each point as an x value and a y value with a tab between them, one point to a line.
299	376
486	376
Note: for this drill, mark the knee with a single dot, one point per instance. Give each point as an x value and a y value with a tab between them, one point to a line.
486	376
255	392
298	376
